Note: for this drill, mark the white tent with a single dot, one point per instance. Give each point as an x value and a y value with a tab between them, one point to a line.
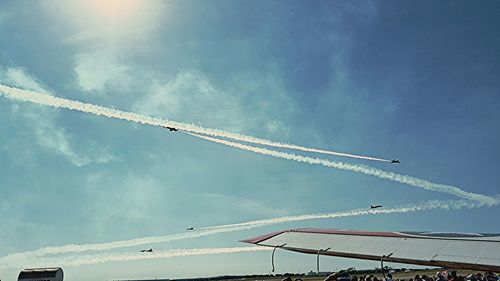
473	251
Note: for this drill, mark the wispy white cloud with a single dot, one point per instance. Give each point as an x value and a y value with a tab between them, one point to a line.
192	96
20	77
106	32
54	138
95	71
43	123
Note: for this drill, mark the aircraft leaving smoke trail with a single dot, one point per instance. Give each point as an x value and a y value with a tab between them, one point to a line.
78	260
18	258
48	100
415	207
367	170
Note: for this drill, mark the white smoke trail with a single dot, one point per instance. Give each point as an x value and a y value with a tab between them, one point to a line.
17	258
79	248
48	100
423	206
367	170
78	260
193	130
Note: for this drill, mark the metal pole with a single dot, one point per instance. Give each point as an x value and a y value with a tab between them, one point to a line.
274	250
317	258
317	261
382	263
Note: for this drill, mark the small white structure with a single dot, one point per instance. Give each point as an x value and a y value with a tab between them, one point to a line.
41	274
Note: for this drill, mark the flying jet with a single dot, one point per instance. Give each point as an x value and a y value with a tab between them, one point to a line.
395	161
147	250
172	129
376	206
190	229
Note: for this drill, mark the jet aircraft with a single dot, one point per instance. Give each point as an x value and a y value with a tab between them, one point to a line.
172	129
190	229
376	206
395	161
147	250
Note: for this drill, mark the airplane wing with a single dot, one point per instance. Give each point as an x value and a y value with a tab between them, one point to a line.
472	251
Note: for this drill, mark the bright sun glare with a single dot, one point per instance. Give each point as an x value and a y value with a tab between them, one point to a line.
114	11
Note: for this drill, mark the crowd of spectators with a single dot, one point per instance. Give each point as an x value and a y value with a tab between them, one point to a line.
440	276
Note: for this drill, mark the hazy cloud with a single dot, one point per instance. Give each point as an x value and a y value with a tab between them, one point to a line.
3	17
45	129
106	23
95	71
131	201
247	206
249	102
19	77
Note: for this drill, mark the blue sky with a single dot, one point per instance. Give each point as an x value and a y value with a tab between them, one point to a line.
405	80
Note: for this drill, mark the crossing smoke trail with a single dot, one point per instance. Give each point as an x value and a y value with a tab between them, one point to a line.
193	130
423	206
78	260
15	259
367	170
48	100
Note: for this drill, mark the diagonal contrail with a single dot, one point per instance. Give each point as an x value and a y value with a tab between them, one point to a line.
194	130
18	258
78	260
363	169
48	100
